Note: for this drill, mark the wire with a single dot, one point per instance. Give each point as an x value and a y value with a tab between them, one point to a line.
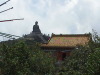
6	10
11	20
4	3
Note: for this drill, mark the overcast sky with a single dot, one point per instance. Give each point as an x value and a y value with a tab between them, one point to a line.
54	16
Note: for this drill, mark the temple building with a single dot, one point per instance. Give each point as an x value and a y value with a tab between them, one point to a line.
62	45
36	34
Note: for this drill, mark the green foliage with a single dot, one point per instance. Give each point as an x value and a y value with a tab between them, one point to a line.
20	59
15	59
93	63
42	63
85	60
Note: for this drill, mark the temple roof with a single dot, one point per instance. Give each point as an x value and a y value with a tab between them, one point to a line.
70	40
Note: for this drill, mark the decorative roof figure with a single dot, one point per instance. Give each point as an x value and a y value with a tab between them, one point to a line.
36	28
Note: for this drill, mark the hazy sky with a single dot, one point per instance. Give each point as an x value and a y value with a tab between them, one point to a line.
54	16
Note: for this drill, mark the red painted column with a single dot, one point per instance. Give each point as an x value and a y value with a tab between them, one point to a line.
59	56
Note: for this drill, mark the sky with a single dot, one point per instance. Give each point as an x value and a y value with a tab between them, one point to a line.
53	16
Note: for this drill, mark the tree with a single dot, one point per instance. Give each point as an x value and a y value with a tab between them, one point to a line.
93	63
85	59
15	59
20	59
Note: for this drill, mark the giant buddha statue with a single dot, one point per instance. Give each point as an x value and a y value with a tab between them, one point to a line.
36	28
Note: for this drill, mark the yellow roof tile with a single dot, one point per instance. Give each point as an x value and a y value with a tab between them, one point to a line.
71	40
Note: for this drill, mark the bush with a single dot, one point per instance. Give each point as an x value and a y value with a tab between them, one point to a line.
20	59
